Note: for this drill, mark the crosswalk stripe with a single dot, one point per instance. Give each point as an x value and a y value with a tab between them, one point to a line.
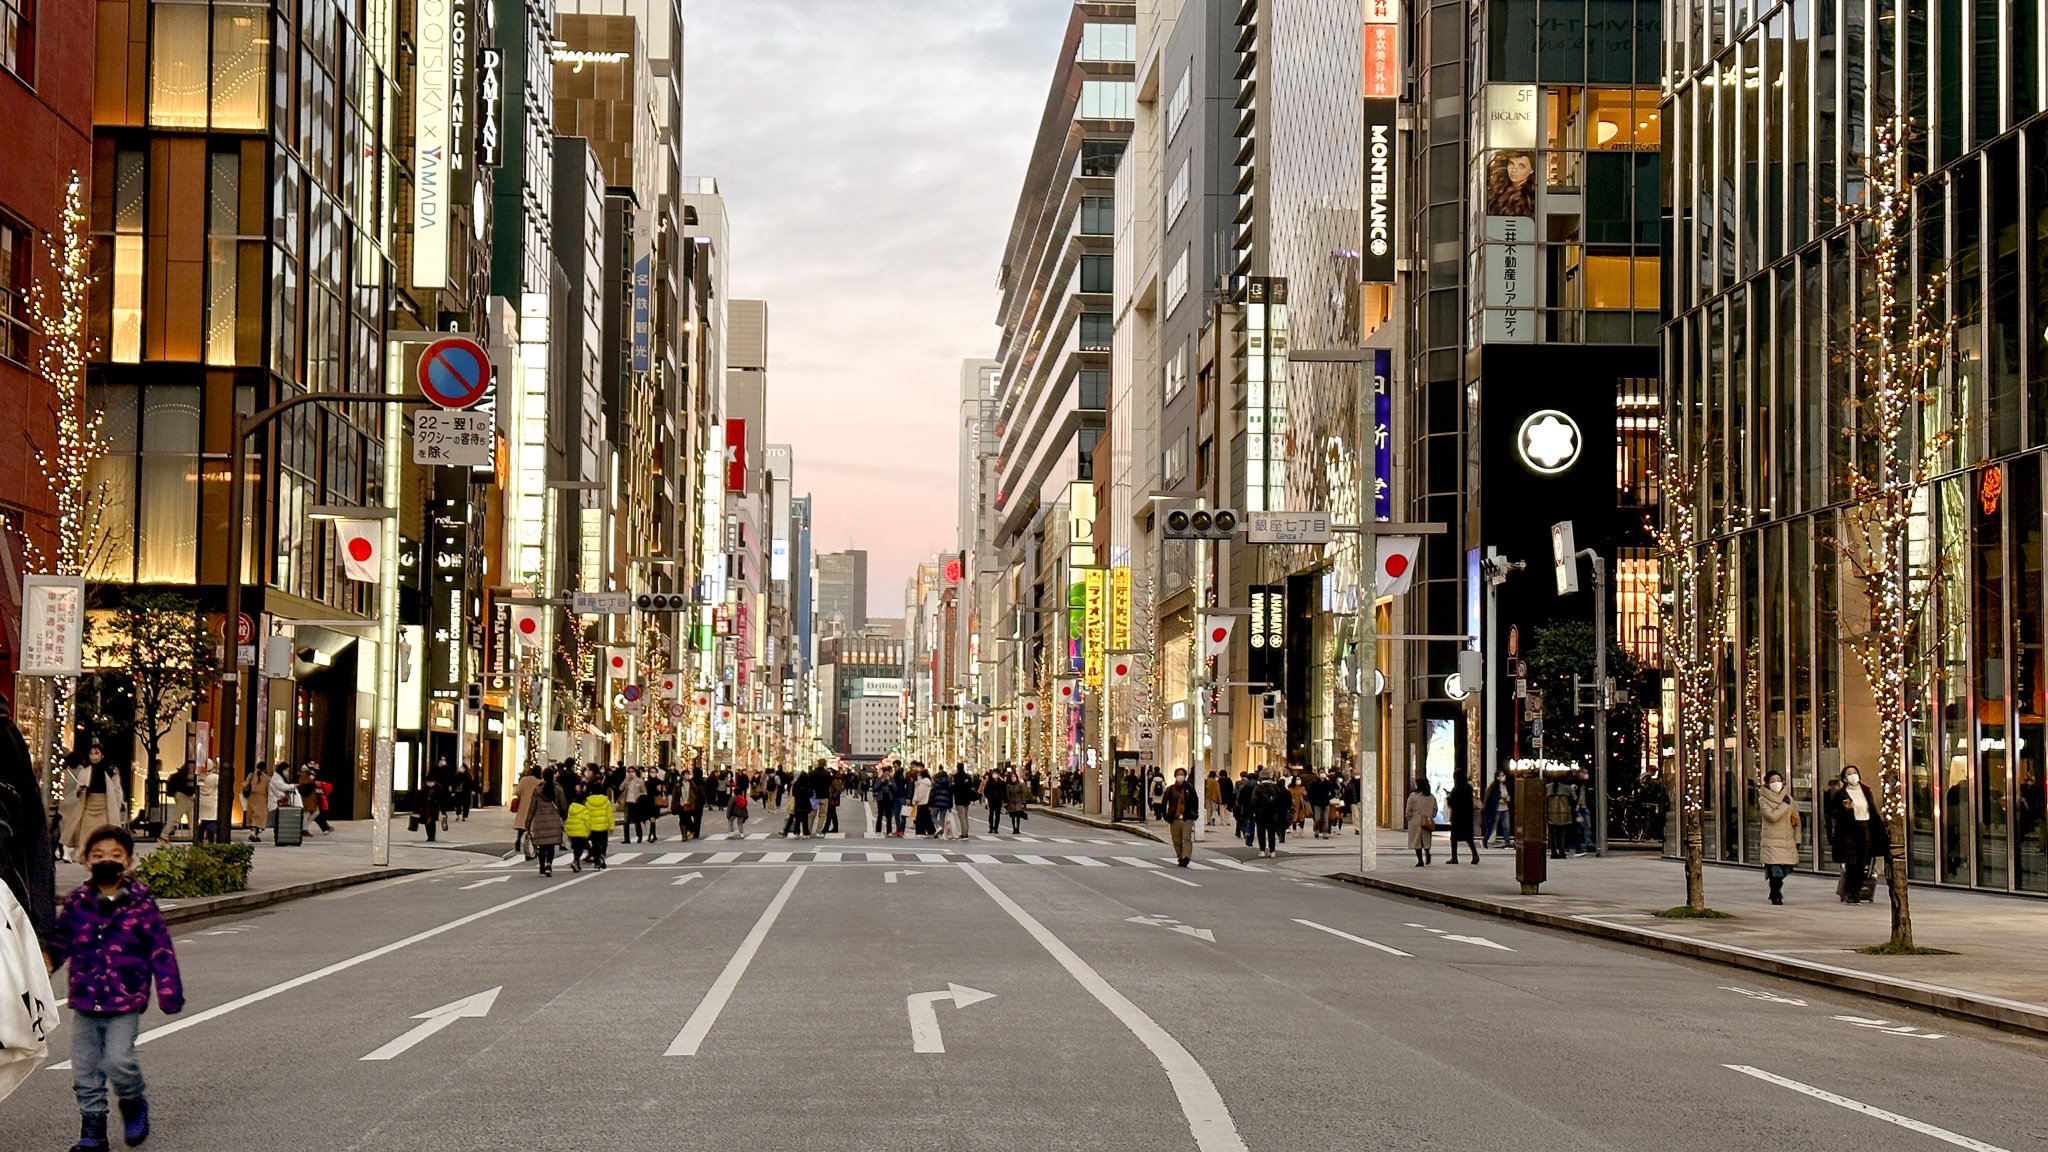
983	858
1137	862
932	857
881	857
622	857
1227	862
1087	861
1060	840
757	835
1198	866
671	858
828	857
1028	859
1025	839
723	858
775	858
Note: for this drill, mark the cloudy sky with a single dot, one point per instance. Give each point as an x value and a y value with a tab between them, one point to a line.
870	153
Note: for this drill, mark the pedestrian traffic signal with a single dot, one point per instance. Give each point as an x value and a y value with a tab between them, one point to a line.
1269	707
475	698
662	601
1201	524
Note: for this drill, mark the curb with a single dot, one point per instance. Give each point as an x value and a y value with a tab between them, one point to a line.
2011	1015
1099	822
207	907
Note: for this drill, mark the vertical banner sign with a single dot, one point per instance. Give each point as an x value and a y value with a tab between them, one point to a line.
52	625
643	312
1382	434
1097	627
1268	639
1509	280
1266	393
1380	76
445	641
1382	179
432	180
736	457
1120	609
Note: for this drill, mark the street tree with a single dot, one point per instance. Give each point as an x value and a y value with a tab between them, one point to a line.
163	644
1694	629
1898	348
580	653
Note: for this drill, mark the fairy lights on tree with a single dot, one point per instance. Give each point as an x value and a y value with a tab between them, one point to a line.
1897	349
1694	628
60	313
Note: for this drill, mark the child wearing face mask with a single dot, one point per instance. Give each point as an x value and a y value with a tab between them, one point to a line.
1780	833
113	936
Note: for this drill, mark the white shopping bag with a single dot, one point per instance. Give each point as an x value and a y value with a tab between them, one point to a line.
28	1009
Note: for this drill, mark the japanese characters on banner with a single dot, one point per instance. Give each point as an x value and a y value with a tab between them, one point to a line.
1508	192
1382	433
1120	609
736	456
52	625
1096	634
1380	76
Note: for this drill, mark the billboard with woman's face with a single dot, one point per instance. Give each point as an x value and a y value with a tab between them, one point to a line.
1511	183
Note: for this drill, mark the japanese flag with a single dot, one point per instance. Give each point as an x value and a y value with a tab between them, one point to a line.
618	663
1066	689
1030	707
668	686
362	548
1119	669
1217	638
1397	563
526	624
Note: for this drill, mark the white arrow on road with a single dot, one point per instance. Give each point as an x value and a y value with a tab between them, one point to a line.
924	1018
1172	925
685	878
1769	997
890	877
1482	941
468	1008
1890	1028
492	880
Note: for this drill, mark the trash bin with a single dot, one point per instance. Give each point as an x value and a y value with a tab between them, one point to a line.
291	827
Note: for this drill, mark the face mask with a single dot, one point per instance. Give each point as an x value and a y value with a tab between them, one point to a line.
1777	785
107	873
1852	778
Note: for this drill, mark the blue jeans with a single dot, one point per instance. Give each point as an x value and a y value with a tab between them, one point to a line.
103	1049
1244	829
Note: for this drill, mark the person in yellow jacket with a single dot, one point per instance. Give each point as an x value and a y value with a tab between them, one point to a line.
576	826
597	812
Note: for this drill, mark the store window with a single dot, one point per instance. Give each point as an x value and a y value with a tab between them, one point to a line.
18	38
209	64
14	290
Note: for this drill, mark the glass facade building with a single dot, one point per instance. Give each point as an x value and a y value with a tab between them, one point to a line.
1768	121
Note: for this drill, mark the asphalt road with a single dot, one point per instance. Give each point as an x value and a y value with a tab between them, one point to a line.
770	995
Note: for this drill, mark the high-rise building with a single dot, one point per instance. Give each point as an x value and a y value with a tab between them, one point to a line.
842	592
1770	123
1057	281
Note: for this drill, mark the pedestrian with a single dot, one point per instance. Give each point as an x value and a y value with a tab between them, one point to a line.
1181	808
1558	814
632	793
114	939
1459	802
941	801
920	799
313	794
94	796
597	815
1421	817
207	794
1155	794
1321	790
522	810
27	861
546	825
1780	832
1017	802
963	800
882	795
1298	793
1246	808
994	791
1497	814
736	811
576	823
256	801
183	788
1272	811
835	791
1856	833
429	803
1213	789
465	791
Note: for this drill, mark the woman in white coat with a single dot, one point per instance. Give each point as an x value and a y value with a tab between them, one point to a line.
206	828
93	796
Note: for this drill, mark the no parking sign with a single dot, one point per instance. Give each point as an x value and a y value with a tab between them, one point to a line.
454	372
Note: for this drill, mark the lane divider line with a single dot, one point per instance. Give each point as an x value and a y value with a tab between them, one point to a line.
1208	1118
706	1015
1354	939
1906	1122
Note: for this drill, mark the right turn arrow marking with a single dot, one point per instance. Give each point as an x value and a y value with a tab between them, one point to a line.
924	1018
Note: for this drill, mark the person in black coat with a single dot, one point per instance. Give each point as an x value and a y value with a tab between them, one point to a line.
27	863
1856	832
1460	802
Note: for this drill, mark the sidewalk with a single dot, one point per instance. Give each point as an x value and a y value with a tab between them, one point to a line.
1995	975
324	863
1154	831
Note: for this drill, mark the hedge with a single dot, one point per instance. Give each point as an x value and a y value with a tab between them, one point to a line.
178	871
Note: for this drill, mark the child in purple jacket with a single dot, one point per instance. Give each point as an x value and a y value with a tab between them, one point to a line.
114	938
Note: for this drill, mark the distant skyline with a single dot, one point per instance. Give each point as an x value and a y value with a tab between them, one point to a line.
870	153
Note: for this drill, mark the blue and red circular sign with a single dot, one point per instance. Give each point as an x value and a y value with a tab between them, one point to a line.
455	372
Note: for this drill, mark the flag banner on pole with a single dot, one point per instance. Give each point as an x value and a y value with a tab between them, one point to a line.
1217	637
526	624
362	549
1397	563
618	663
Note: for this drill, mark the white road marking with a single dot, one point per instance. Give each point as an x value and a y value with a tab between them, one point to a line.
1890	1028
1227	862
774	857
468	1008
722	857
492	880
932	857
827	857
1059	839
1770	997
685	878
1482	941
890	877
1135	861
1025	839
1208	1119
757	836
1037	860
1087	861
924	1018
672	858
241	1002
1176	879
881	857
1172	925
1354	939
622	857
1905	1122
982	858
706	1015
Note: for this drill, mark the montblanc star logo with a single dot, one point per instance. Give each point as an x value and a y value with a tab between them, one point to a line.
1549	442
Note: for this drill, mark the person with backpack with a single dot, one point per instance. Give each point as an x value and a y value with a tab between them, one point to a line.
182	791
597	813
736	811
941	802
576	823
1273	810
1245	806
313	794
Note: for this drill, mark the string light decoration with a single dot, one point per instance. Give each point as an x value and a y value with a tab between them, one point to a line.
1896	355
61	316
578	651
655	722
1694	630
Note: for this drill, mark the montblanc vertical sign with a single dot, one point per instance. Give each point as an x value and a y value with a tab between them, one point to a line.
431	144
1381	181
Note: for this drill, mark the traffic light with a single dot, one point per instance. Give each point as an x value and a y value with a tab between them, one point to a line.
1201	524
1269	707
662	602
475	698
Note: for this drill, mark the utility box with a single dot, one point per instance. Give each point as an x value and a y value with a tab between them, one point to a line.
1532	835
